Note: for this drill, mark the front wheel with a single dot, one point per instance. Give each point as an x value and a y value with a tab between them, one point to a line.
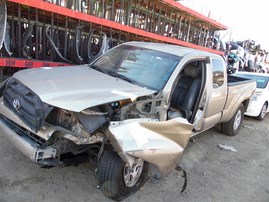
117	179
233	126
263	112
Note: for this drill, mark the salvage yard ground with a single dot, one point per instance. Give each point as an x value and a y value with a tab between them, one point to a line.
213	174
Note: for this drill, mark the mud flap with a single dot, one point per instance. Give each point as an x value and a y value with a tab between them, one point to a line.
160	143
184	175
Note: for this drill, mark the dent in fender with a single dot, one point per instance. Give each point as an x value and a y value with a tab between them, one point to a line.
160	143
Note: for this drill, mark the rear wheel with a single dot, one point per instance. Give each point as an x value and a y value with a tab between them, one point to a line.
233	126
117	179
263	112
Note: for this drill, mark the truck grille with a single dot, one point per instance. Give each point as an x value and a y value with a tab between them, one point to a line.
25	104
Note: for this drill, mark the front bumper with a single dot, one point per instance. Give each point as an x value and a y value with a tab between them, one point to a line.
253	109
24	143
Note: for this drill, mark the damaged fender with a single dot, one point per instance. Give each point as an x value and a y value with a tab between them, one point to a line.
160	143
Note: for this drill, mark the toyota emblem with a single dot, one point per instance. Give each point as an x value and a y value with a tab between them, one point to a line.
16	104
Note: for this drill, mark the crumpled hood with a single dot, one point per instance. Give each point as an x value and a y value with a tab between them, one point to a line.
78	87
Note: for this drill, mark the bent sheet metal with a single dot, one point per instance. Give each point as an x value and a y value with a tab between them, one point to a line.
160	143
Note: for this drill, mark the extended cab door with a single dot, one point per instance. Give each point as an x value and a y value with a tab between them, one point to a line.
217	91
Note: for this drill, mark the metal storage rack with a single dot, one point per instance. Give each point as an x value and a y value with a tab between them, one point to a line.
63	32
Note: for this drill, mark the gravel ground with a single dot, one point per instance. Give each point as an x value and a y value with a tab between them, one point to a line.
213	174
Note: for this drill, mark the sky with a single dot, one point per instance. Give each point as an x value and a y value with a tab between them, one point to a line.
245	19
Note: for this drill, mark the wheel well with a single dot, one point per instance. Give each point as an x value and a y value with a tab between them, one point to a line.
266	103
246	103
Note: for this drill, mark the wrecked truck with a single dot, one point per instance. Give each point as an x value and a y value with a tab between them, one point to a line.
137	104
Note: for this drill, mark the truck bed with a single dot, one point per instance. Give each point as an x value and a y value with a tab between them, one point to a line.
239	89
234	80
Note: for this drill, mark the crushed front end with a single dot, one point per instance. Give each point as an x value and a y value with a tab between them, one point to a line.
46	134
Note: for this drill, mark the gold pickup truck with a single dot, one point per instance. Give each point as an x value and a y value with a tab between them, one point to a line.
138	103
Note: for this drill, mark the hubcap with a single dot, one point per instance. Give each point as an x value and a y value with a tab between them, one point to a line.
132	174
237	119
264	109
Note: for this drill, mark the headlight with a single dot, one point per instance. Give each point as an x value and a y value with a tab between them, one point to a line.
256	96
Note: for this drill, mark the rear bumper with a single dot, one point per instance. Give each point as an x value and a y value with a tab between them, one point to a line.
28	146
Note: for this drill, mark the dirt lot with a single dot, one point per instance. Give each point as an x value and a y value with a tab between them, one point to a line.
213	174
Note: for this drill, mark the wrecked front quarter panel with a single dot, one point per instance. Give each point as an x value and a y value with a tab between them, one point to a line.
160	143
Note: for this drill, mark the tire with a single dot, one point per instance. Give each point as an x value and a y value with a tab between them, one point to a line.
111	172
233	126
263	112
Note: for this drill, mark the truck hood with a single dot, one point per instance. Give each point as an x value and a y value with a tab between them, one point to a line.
76	88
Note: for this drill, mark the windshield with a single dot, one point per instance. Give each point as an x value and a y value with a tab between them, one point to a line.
144	67
261	81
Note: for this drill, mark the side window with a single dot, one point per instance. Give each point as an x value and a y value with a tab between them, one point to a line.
218	73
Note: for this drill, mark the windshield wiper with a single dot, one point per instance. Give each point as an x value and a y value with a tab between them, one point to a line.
128	79
114	74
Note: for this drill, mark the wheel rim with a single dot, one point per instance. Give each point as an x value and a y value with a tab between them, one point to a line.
237	119
132	174
263	112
